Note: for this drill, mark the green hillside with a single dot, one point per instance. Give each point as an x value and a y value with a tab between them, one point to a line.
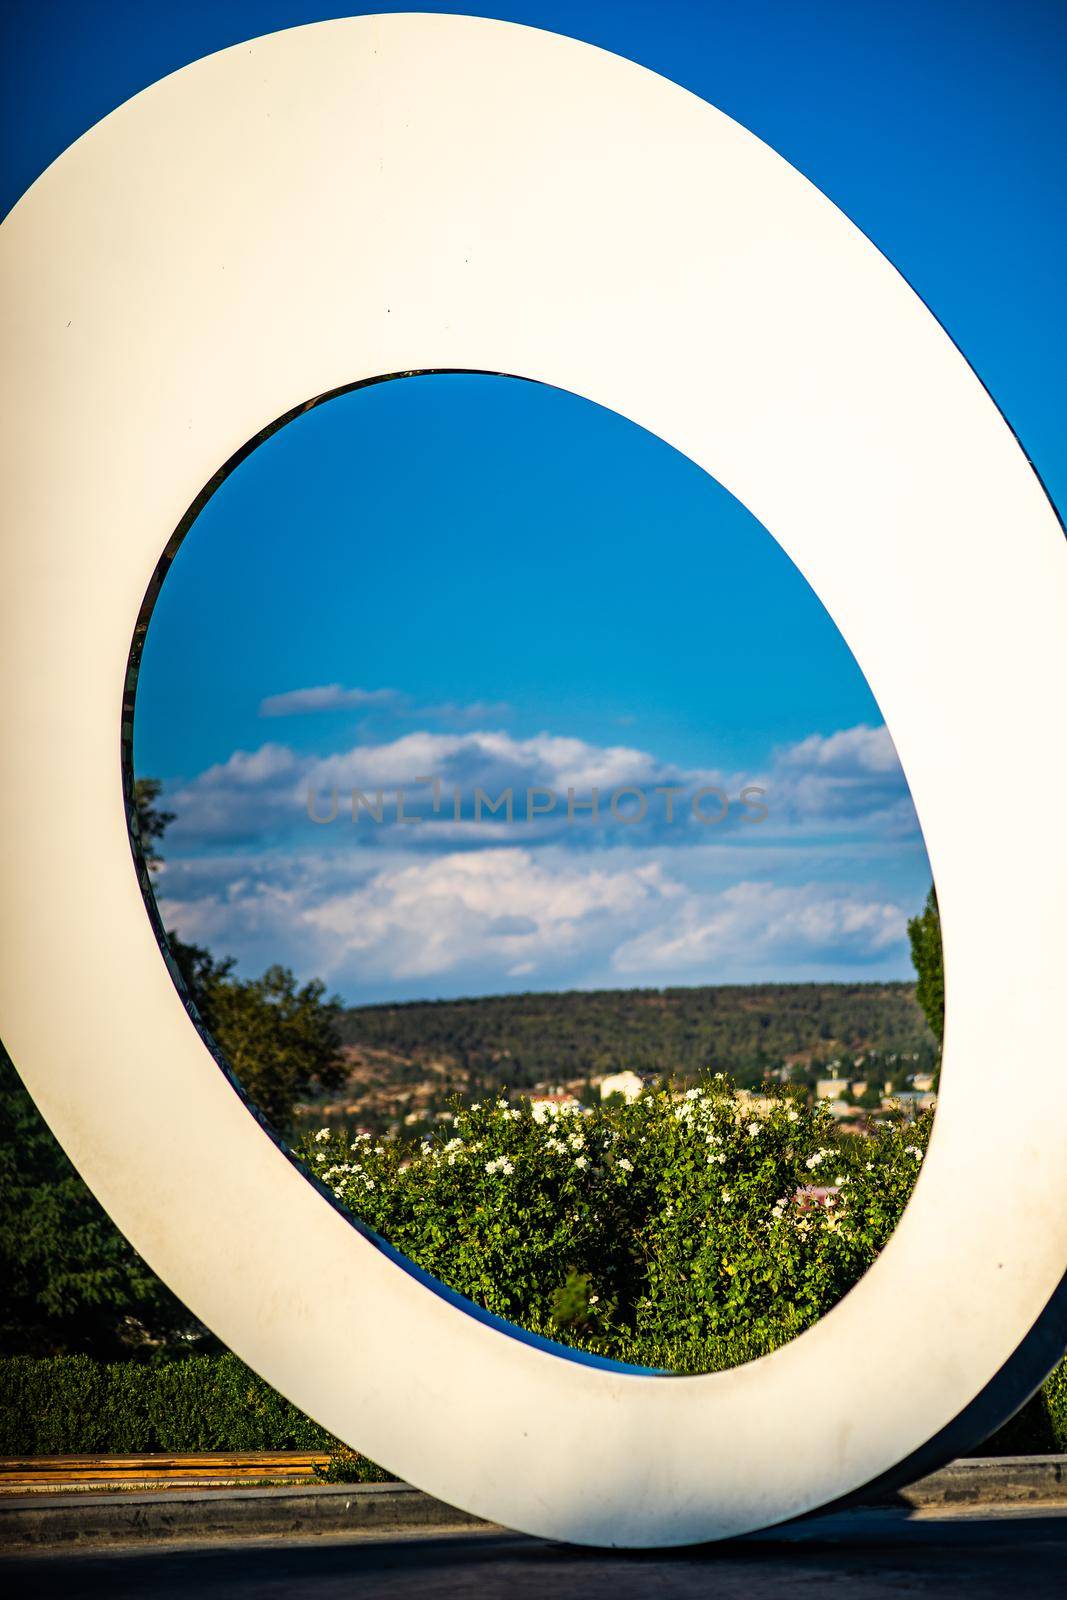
743	1030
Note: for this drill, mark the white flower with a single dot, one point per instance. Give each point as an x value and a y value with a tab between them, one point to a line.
870	1166
624	1165
576	1141
754	1130
792	1116
477	1106
815	1161
726	1194
581	1163
320	1155
777	1210
692	1094
322	1135
913	1150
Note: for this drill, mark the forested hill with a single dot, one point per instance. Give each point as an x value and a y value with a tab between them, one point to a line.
742	1030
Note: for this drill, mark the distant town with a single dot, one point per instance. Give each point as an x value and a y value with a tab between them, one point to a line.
862	1049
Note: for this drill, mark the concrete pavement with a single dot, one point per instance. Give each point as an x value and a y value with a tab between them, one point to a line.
856	1555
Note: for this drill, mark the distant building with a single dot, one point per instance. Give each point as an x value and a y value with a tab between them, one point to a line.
829	1089
859	1087
909	1101
628	1084
923	1082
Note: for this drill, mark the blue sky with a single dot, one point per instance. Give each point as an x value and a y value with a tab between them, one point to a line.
499	584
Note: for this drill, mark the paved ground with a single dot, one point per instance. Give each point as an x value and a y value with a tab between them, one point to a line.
864	1555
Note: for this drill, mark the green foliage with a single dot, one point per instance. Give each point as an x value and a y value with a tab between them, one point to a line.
761	1224
348	1466
1055	1393
74	1405
573	1305
924	933
550	1038
280	1040
1033	1431
150	821
678	1221
70	1279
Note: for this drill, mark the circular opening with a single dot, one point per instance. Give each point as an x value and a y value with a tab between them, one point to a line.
497	718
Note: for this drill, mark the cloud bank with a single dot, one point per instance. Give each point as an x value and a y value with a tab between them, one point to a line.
447	907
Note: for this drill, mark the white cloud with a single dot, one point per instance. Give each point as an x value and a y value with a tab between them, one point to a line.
846	781
335	697
848	752
324	697
471	921
753	923
851	778
455	907
452	711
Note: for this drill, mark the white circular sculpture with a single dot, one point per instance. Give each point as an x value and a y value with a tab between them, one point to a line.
376	195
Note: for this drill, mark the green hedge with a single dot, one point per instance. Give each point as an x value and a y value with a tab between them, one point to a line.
1054	1395
1040	1428
73	1405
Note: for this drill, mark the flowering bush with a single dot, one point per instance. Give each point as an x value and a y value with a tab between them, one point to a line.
682	1231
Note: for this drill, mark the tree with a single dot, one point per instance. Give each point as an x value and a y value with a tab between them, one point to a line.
280	1041
150	820
924	932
